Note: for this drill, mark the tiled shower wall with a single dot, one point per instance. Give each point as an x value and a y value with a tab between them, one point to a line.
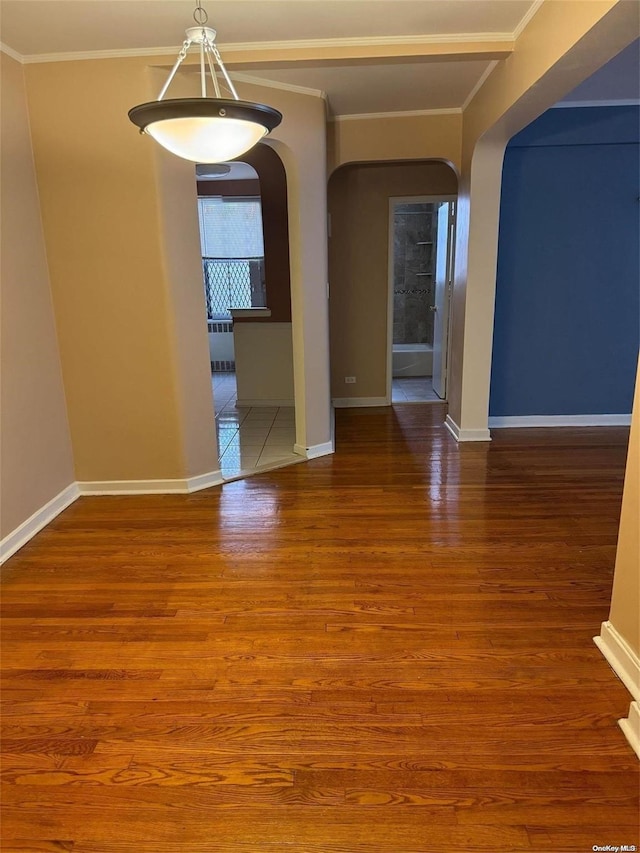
413	270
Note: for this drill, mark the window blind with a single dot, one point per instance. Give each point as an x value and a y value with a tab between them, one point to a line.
231	227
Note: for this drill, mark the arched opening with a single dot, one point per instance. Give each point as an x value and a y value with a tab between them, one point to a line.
245	254
565	338
383	267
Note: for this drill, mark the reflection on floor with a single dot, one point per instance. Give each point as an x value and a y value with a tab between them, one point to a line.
413	389
250	438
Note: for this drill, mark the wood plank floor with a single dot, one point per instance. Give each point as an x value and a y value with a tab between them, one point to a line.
384	651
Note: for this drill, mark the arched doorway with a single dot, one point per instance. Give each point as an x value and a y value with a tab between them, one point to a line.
245	245
361	243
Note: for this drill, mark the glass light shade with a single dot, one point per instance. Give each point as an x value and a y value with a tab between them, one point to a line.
205	130
206	140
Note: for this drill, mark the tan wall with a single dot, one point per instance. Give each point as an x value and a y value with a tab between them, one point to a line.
264	363
625	599
422	137
35	455
358	265
101	221
186	311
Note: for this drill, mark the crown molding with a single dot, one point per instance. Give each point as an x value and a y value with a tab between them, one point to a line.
300	44
535	7
482	80
399	114
572	105
4	48
276	84
124	53
370	41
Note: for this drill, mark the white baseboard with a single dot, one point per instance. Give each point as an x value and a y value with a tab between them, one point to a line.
28	529
151	487
251	404
466	434
205	481
133	487
332	415
631	727
316	450
560	421
357	402
621	657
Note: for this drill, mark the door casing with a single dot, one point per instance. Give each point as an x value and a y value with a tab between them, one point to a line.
393	201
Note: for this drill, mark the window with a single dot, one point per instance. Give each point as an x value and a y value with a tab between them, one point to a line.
231	227
232	254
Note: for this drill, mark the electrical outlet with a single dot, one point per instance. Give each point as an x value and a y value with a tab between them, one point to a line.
350	380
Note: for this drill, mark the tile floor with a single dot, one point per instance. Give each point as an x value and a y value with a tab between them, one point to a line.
413	389
250	438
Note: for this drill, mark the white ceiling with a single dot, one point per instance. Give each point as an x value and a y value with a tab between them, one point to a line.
376	87
58	26
61	28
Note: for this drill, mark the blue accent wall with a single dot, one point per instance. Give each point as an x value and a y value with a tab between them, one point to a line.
567	318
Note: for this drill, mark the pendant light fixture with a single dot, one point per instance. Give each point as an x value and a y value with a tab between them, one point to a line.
204	130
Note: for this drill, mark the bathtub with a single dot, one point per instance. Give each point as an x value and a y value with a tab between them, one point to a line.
412	360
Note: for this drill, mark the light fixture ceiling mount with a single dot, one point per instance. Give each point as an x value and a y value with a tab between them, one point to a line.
204	129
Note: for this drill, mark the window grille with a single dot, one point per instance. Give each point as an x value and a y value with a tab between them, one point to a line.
232	283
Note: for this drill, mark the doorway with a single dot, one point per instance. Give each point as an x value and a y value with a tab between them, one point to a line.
421	230
252	432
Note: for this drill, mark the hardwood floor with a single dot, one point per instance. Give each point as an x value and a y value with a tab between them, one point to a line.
384	651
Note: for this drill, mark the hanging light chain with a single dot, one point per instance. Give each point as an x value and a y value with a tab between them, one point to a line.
211	59
209	50
200	15
216	53
186	44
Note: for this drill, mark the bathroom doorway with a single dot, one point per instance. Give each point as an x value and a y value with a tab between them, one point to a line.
421	230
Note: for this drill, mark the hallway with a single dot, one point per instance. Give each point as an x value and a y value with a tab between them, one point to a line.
388	650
